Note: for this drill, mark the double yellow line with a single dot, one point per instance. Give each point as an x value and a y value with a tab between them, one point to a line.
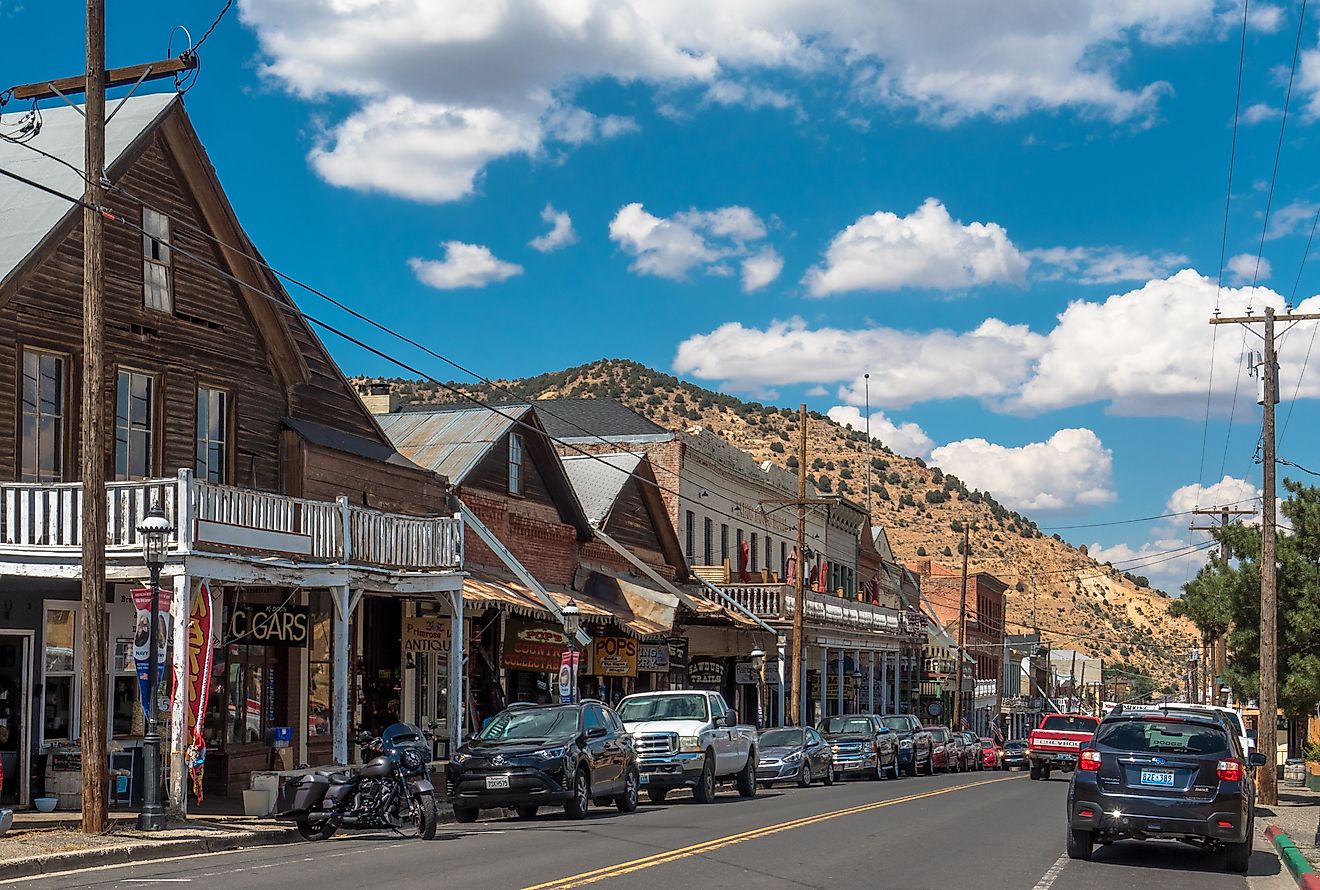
623	868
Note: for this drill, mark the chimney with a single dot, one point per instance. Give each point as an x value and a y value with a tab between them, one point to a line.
379	397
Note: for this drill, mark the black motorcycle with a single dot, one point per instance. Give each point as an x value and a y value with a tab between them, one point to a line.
392	790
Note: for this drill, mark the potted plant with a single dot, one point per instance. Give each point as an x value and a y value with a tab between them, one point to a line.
1312	755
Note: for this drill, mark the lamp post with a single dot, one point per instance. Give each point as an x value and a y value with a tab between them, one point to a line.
758	665
572	616
155	531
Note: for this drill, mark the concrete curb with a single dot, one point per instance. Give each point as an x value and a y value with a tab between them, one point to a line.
1293	860
79	859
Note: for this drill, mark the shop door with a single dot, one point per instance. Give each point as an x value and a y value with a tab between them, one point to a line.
15	716
431	702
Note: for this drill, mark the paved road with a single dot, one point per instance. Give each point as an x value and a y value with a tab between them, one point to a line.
984	830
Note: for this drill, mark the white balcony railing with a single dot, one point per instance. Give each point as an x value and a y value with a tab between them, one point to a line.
221	518
775	602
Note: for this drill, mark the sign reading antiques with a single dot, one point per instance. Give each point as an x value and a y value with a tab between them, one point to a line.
427	635
614	656
268	625
530	646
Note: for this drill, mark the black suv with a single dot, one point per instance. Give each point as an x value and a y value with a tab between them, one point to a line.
531	756
1163	775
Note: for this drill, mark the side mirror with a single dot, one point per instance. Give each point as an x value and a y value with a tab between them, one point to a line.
1257	759
730	717
363	737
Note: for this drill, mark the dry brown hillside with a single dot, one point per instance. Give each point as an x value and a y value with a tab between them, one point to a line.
1077	602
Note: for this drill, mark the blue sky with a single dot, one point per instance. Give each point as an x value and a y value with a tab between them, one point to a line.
989	211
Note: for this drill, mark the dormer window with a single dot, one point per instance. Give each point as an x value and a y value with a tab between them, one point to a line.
156	261
515	463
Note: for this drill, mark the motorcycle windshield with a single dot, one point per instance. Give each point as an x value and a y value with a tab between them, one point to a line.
402	734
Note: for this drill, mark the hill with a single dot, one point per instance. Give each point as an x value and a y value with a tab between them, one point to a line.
1077	602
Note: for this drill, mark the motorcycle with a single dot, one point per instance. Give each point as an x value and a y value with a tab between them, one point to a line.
393	790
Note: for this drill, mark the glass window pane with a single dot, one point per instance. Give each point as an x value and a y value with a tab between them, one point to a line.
57	708
48	434
60	629
217	415
29	448
318	699
139	451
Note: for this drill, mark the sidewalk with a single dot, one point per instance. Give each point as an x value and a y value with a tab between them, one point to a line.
1298	816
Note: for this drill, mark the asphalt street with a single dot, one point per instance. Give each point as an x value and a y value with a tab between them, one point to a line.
981	830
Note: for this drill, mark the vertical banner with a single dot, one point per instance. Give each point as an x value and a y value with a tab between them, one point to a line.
142	640
568	671
201	630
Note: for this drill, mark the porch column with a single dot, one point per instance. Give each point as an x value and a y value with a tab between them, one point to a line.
456	667
345	602
898	668
783	682
885	704
870	683
184	591
842	658
824	678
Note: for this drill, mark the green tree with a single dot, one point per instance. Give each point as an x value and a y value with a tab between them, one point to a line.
1225	597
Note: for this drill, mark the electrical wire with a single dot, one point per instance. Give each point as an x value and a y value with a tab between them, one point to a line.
1286	462
192	51
1292	301
1140	518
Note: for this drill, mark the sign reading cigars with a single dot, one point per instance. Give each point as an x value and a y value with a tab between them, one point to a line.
268	625
530	646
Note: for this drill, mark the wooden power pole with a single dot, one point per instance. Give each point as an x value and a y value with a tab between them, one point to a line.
92	425
1268	697
962	636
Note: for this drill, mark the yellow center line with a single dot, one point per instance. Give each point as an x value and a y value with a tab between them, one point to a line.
624	868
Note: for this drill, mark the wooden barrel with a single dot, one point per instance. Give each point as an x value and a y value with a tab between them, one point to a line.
65	785
1294	774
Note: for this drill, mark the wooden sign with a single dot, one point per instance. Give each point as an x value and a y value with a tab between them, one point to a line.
531	646
652	658
614	656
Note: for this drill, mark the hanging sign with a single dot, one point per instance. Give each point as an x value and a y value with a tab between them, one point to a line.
427	636
614	656
142	640
201	651
269	625
678	652
568	671
744	674
652	659
706	672
530	646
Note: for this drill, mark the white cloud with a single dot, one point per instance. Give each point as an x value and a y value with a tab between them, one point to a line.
904	438
1264	17
561	232
464	265
926	249
465	84
1102	265
1072	468
760	269
1290	219
1308	82
1244	268
905	367
672	247
1260	112
1238	494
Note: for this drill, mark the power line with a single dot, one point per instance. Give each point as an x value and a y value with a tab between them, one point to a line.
1292	301
198	45
1138	519
1284	460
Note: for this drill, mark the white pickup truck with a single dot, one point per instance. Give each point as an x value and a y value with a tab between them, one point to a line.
689	738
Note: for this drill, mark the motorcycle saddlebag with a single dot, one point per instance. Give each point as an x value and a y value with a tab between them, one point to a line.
301	794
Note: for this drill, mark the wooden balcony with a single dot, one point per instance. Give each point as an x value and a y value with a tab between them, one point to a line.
775	603
46	520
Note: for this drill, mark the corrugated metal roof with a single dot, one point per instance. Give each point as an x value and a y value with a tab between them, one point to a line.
451	442
598	479
28	214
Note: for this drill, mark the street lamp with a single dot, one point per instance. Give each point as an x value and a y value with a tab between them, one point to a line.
572	617
155	530
758	665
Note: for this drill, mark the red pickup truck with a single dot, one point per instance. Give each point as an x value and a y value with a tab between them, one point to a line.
1055	743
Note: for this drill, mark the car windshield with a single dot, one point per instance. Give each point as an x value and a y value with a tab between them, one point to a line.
1015	746
536	723
987	741
845	725
897	724
781	738
1162	736
1070	723
663	707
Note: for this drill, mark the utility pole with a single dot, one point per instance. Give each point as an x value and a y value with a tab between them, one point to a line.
867	380
962	635
92	439
1268	695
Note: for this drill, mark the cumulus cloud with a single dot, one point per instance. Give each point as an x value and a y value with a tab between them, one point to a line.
926	249
903	438
561	232
1264	17
464	265
1259	112
760	269
437	89
1244	268
905	366
1227	492
1072	468
1291	219
1102	265
674	246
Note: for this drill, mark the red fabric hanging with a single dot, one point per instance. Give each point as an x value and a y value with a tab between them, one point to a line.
744	557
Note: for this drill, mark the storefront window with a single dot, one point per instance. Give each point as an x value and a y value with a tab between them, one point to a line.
58	716
249	682
318	667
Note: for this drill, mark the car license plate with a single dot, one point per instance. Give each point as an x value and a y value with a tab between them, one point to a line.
646	780
1159	778
852	765
494	782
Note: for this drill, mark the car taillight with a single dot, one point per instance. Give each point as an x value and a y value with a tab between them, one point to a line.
1230	771
1089	761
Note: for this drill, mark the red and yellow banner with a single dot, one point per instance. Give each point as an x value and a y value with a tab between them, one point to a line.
201	628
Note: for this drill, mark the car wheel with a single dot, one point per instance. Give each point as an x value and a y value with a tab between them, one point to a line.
911	769
627	801
894	766
930	764
580	802
1237	856
1080	844
1035	772
527	812
466	815
1045	774
828	778
747	776
705	790
656	795
838	776
804	775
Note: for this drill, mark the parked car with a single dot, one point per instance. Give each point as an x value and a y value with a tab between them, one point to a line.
1231	717
956	747
793	755
689	738
944	754
861	744
1055	743
1152	775
530	756
1015	755
991	754
914	744
971	750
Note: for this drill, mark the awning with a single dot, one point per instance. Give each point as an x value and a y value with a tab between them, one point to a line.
644	609
482	588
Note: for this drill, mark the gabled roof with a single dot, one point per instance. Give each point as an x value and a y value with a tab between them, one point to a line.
599	479
586	420
451	442
28	214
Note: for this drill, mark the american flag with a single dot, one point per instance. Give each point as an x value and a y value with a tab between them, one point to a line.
963	723
997	732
